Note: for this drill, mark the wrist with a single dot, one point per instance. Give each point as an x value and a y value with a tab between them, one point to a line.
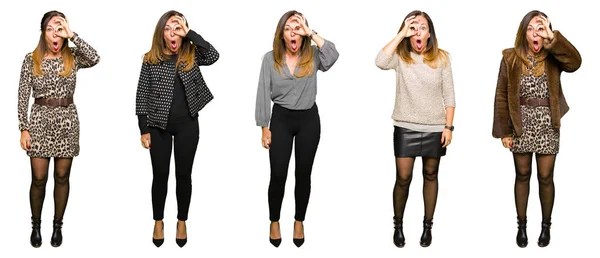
449	127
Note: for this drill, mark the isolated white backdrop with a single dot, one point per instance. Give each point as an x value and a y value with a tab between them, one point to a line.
350	211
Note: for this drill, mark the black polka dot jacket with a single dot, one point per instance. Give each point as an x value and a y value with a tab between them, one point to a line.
156	86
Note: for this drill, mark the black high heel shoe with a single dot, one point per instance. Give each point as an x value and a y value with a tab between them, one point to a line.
57	238
181	241
299	241
275	242
544	239
399	239
522	240
159	241
426	236
36	234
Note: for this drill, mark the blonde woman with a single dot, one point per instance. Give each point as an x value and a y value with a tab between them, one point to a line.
52	130
528	107
171	91
423	113
288	78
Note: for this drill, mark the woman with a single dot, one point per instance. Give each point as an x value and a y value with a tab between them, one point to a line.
527	110
171	91
423	112
52	130
288	77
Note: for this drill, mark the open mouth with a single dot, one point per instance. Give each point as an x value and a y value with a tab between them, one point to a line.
55	45
419	44
173	44
294	44
536	45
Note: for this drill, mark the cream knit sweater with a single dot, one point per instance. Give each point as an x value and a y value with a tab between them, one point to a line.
422	93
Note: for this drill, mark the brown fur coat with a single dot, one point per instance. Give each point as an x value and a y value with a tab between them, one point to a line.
562	56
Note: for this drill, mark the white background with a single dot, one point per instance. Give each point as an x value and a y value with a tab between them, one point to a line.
350	211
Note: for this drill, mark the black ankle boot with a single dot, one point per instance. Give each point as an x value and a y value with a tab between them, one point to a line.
426	236
57	238
522	233
399	239
36	234
544	239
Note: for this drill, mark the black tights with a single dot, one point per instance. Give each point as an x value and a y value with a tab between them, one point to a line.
545	169
404	169
39	177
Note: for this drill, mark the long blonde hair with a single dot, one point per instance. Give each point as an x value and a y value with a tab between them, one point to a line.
42	49
187	51
432	55
305	64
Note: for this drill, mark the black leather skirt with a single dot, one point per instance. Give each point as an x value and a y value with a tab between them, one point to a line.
409	143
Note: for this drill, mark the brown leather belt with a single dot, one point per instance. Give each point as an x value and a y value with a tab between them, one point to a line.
54	102
535	102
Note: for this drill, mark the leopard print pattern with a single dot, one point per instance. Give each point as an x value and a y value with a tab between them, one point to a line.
539	136
54	131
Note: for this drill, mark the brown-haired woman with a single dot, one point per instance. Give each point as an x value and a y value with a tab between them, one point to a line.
528	107
423	113
52	130
171	91
288	77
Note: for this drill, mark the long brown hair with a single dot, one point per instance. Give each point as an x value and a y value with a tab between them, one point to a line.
305	63
521	46
187	51
42	48
432	54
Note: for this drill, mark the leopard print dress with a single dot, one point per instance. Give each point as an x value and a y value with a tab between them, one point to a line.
54	131
539	136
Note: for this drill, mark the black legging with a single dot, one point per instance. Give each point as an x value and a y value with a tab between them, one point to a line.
545	172
186	135
286	124
37	190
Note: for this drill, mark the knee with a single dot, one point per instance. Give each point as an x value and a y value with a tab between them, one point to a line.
303	179
523	175
430	174
183	177
545	179
403	180
277	178
61	179
39	181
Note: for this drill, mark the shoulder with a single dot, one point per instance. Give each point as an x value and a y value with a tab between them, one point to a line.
444	58
28	60
509	53
28	56
268	57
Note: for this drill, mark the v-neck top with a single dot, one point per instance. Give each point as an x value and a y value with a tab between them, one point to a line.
287	90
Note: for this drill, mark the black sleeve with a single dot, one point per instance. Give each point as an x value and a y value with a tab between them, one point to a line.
206	54
202	44
142	119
